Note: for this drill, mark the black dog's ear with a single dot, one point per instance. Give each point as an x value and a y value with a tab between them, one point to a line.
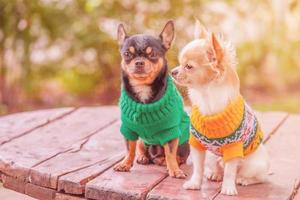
122	35
167	34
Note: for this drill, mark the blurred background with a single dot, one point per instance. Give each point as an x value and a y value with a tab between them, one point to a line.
56	53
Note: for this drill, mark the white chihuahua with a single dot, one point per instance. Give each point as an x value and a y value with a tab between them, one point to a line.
221	121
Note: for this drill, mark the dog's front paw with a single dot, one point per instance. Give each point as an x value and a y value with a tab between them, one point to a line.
143	160
247	181
192	185
213	175
177	174
122	167
229	189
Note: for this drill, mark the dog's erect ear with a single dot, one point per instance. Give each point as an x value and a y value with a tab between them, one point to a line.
200	31
122	35
217	48
167	34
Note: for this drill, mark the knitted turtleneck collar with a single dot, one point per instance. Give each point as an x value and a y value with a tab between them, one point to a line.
129	105
221	124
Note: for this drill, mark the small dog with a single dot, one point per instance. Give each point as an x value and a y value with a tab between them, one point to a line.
221	121
151	107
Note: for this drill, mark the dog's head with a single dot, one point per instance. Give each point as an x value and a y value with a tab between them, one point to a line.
205	60
143	56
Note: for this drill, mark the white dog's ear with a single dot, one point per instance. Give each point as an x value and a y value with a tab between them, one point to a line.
217	48
122	35
200	31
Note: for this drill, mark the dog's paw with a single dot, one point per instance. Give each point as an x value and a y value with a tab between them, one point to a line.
229	190
122	167
192	185
143	160
213	176
247	181
177	174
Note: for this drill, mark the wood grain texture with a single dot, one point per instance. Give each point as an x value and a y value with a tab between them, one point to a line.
13	183
47	142
131	185
15	125
171	188
60	196
75	182
91	157
39	192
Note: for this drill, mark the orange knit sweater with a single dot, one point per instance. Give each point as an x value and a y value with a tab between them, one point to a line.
232	133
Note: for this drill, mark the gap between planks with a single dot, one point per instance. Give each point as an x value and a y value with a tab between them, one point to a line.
76	149
49	121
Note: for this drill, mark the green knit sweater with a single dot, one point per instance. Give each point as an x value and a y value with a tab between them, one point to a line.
155	123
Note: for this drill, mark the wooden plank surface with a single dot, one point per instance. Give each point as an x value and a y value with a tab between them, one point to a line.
285	164
172	189
39	192
16	125
61	196
73	155
131	185
95	153
74	183
28	151
13	183
270	121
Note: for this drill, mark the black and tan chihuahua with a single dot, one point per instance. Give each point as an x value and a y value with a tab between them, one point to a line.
144	78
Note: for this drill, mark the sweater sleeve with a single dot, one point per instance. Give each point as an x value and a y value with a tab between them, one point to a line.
128	134
194	142
232	150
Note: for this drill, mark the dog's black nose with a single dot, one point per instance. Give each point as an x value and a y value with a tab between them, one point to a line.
139	64
174	72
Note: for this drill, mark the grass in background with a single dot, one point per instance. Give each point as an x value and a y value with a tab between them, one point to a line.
291	105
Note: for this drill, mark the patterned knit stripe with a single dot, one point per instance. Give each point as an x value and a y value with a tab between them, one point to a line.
250	128
257	140
233	136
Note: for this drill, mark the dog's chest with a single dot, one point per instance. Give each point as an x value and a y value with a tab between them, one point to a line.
143	93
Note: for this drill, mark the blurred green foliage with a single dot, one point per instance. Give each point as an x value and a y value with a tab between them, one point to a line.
64	52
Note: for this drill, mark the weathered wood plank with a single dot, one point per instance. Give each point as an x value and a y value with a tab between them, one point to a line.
270	121
13	184
285	164
172	189
74	183
39	192
16	125
60	196
18	156
131	185
95	153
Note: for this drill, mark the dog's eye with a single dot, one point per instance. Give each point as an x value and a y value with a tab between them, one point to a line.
188	67
153	54
127	54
